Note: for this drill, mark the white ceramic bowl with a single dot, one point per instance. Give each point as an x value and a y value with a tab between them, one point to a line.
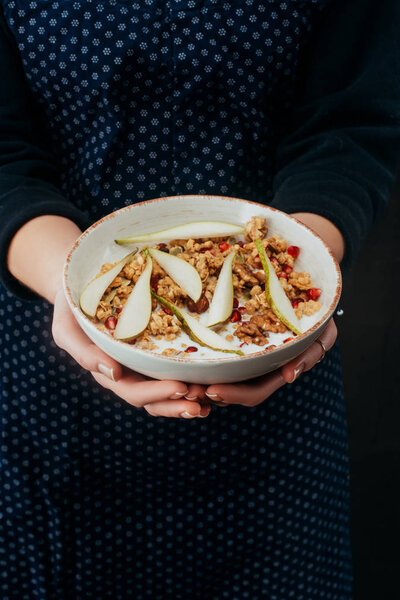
96	246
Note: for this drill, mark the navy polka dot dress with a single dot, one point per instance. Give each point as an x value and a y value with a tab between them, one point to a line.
98	499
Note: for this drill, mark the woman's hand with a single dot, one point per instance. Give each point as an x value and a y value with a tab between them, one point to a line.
255	391
159	398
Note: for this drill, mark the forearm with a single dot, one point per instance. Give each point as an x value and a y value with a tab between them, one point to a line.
38	250
330	234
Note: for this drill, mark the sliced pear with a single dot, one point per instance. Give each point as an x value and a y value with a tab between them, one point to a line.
137	310
180	271
222	303
110	297
279	302
95	289
195	230
196	331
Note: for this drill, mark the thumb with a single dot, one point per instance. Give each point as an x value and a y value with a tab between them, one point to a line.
68	336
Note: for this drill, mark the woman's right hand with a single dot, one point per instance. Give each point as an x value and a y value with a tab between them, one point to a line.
159	398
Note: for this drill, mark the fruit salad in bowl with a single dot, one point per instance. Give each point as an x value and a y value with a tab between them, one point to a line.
202	300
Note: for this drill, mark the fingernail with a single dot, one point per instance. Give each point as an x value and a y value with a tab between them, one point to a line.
214	397
297	372
187	415
177	395
204	412
106	371
191	397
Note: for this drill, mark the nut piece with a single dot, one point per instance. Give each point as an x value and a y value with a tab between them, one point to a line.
255	330
249	332
268	322
198	307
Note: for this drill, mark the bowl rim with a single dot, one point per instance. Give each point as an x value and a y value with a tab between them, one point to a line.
194	360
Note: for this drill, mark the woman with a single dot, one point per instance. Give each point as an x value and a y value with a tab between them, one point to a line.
108	103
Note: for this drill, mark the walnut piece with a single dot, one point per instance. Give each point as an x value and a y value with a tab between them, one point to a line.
268	322
249	333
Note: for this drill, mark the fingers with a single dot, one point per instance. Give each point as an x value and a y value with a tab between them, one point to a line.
139	391
248	393
70	337
256	391
312	355
178	409
197	393
128	385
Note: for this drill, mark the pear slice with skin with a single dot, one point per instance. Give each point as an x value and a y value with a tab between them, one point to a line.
195	230
196	331
180	271
137	310
279	302
93	292
222	303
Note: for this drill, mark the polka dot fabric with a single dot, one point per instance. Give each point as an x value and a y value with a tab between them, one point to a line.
98	499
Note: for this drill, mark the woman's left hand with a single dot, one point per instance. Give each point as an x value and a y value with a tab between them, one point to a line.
255	391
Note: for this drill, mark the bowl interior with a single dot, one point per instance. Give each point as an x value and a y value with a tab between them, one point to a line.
96	246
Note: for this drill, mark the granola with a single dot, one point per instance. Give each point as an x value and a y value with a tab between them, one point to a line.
252	320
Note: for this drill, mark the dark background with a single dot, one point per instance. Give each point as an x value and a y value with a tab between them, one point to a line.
369	335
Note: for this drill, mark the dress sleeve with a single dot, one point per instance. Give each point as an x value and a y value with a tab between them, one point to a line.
29	179
339	154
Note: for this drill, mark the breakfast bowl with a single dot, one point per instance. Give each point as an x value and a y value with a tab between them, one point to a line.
97	246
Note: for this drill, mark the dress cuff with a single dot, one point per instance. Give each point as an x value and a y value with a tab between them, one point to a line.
346	205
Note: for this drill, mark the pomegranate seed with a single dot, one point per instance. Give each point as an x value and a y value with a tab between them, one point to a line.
235	303
111	322
154	282
191	349
288	340
236	316
296	302
167	310
293	251
313	293
163	247
119	309
282	275
274	261
223	246
243	344
287	269
257	261
271	347
242	309
241	244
